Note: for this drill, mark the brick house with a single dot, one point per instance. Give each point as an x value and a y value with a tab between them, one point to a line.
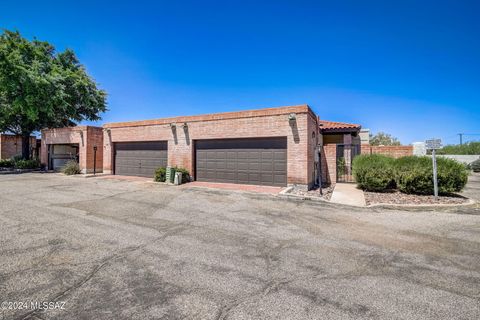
11	146
81	143
272	146
275	146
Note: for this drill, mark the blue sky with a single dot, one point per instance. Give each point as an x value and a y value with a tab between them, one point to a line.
410	68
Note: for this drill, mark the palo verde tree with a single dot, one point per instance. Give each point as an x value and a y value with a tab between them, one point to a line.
383	139
42	88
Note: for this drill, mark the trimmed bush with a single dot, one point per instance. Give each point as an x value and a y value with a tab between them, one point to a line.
160	174
374	172
185	174
27	164
71	168
6	163
415	175
475	165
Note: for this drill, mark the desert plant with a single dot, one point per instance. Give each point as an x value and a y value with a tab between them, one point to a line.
471	148
475	166
160	174
6	163
71	168
373	172
185	174
27	164
341	166
415	175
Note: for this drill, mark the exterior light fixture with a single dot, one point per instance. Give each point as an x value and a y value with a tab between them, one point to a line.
106	129
184	125
173	126
292	117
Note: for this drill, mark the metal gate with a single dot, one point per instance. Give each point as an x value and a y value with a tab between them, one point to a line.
345	155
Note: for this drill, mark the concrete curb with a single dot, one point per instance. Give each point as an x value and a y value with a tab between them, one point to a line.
285	194
19	171
470	202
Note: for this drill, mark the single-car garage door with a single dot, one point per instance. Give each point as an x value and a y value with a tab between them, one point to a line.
140	158
261	161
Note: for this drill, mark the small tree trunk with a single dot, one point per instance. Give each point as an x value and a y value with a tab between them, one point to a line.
26	146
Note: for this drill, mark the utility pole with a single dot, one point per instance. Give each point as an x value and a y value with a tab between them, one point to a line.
461	138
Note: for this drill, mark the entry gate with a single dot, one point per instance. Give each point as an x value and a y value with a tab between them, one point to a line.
345	155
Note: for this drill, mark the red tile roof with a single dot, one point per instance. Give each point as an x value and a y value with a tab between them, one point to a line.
337	126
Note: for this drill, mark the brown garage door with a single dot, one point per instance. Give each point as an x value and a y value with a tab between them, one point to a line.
247	161
140	158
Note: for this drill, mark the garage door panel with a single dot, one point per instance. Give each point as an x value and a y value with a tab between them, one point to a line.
267	178
140	158
280	166
254	166
243	165
248	161
280	155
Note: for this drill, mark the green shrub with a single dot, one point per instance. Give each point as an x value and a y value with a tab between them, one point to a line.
185	174
466	148
374	172
16	158
160	174
475	165
71	168
415	175
27	164
6	163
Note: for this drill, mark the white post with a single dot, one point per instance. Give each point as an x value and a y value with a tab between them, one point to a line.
435	183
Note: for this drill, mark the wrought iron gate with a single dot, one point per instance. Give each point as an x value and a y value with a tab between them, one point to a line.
345	155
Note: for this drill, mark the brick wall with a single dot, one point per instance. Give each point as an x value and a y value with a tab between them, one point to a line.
392	151
85	136
329	163
94	138
11	145
249	124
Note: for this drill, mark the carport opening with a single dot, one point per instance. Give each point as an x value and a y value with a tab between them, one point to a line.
60	154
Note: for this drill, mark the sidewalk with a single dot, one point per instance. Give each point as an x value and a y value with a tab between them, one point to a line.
347	193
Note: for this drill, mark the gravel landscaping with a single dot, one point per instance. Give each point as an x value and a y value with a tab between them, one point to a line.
396	197
326	192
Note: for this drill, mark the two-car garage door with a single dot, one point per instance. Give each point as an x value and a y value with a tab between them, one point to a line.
261	161
140	158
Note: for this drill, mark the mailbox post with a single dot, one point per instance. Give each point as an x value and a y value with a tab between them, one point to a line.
94	160
434	144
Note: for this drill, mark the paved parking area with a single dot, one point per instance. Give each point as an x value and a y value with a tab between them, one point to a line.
116	249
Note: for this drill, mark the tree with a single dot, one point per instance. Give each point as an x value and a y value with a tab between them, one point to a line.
41	88
383	139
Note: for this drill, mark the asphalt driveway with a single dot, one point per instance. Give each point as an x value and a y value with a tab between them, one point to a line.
111	249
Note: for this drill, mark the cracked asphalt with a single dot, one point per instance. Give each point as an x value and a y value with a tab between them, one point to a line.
113	249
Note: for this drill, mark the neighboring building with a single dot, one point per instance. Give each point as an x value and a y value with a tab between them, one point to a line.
73	143
11	146
364	136
265	147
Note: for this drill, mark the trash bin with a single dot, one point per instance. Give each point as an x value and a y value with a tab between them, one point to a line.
178	178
